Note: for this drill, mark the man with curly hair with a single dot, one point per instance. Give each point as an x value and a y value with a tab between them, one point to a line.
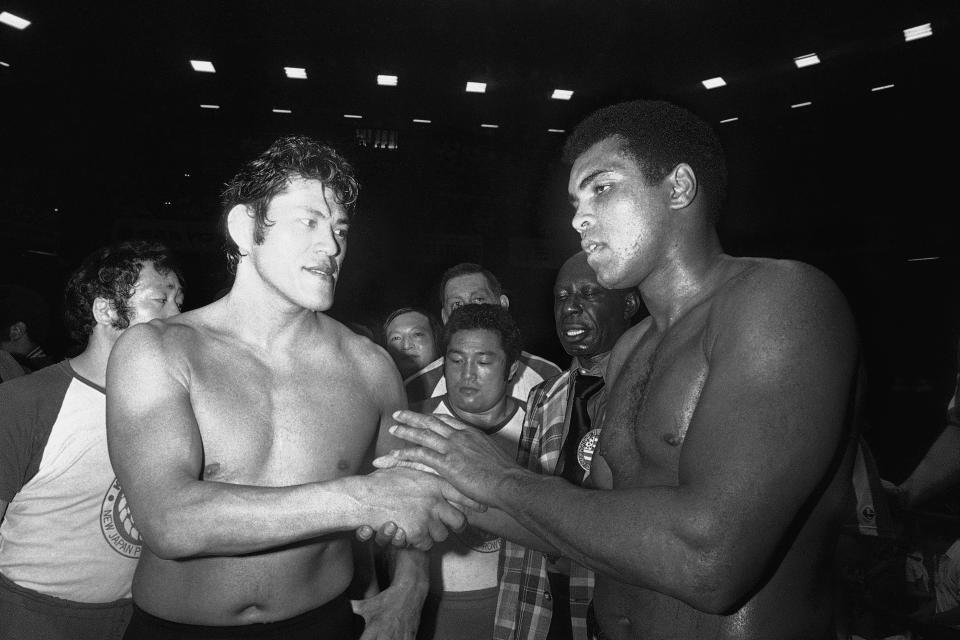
68	547
724	462
239	429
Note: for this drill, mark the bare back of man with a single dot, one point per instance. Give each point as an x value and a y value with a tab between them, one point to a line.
653	438
305	413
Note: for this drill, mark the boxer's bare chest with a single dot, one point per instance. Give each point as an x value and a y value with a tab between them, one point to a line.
652	401
274	421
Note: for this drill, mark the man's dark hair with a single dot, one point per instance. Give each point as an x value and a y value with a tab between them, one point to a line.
658	136
262	179
435	326
492	317
19	304
466	269
111	273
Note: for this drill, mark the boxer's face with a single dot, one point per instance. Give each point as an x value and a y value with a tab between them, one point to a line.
620	218
476	371
304	245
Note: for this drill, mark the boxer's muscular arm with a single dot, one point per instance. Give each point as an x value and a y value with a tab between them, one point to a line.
156	450
766	431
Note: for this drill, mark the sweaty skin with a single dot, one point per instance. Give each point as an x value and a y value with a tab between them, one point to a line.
725	459
237	429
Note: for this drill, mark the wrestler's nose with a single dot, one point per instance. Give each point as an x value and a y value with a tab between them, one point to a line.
326	241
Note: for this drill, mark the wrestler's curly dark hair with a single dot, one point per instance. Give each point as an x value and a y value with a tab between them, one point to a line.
492	317
658	136
111	273
466	269
263	178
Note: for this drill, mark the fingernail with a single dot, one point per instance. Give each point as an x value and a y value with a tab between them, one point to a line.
393	428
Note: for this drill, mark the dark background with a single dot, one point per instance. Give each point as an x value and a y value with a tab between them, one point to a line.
102	138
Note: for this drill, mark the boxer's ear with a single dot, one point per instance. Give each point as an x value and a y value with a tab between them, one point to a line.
240	226
682	183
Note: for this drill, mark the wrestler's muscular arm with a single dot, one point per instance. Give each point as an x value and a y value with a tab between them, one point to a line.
782	354
156	450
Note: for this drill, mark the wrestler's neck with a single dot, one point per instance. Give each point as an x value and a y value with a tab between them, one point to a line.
261	315
493	417
689	272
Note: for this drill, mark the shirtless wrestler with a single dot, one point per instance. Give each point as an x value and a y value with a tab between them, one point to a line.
237	430
725	452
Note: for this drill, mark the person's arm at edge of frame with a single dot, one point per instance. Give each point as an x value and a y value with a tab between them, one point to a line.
937	471
766	430
156	450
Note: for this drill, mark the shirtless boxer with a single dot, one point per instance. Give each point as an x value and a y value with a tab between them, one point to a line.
725	452
237	431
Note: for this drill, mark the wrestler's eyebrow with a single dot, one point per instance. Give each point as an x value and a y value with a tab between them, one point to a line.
583	184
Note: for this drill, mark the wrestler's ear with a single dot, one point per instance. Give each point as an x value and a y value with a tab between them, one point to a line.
682	183
631	304
240	226
104	312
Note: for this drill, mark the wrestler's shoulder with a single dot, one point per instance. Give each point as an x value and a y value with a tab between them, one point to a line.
361	352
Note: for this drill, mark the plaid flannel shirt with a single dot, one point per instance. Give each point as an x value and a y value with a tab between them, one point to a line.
524	606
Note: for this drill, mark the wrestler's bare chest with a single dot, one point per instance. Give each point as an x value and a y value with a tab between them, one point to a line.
275	420
651	403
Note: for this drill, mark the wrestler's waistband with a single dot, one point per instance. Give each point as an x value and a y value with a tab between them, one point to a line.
339	606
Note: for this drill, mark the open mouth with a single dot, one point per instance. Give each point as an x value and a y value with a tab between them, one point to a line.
323	272
573	333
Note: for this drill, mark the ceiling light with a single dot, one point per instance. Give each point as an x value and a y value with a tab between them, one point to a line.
562	94
490	126
204	66
800	104
16	22
806	61
4	64
387	81
915	33
421	121
476	87
352	115
556	130
275	110
298	73
881	88
713	83
726	120
186	175
209	106
923	259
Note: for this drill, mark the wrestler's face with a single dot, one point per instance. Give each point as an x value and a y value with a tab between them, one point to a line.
304	245
155	295
471	288
411	342
476	372
589	318
620	218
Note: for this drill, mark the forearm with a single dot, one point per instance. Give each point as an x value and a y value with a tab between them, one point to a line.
938	470
505	526
676	544
410	570
202	518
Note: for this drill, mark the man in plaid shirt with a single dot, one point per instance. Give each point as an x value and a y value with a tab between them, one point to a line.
588	319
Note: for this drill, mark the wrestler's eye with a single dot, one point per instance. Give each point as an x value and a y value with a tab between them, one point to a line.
310	223
342	232
479	300
600	188
162	301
